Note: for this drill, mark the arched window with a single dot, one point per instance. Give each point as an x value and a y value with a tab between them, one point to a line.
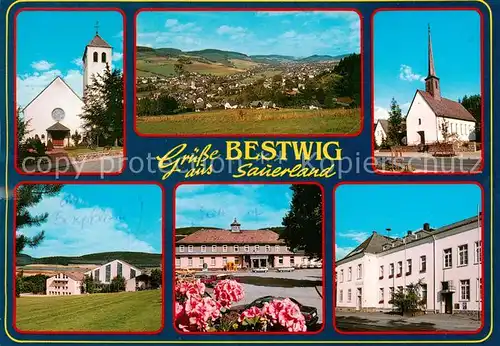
103	57
96	57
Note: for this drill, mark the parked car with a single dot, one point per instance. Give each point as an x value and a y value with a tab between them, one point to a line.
310	312
286	269
260	270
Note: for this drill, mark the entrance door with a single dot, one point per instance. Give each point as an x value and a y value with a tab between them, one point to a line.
422	137
255	263
263	262
448	303
359	300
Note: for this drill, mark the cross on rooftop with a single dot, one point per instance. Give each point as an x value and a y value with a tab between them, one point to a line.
96	27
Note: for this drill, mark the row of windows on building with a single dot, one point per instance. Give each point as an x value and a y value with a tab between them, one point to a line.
96	57
201	261
59	293
236	248
462	261
119	272
456	128
464	292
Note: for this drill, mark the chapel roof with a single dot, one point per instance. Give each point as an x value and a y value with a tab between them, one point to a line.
446	108
58	127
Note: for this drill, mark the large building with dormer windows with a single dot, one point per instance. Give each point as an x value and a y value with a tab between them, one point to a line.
447	260
213	249
55	112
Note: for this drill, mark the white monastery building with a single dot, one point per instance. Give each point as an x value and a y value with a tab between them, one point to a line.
55	112
213	249
448	260
72	283
429	113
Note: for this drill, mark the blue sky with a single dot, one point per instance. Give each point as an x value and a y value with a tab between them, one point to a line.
400	55
51	44
255	206
97	218
401	207
285	33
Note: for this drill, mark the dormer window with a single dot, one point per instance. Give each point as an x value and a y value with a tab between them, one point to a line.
247	248
224	248
181	248
190	248
214	248
257	247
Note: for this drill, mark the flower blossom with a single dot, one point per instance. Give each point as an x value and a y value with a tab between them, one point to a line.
285	313
250	313
228	291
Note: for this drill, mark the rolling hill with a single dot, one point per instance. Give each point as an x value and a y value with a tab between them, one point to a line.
138	259
225	57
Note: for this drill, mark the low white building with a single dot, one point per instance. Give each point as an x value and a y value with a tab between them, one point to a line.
109	271
65	284
447	260
381	131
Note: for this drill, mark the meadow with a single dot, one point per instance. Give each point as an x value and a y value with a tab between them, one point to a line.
121	312
255	121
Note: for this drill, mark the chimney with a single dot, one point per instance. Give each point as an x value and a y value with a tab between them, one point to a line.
427	227
409	233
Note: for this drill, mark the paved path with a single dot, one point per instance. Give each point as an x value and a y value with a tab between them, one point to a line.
437	164
378	321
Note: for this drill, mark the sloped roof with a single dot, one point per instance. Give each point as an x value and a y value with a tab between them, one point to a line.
217	236
447	108
372	244
41	92
385	125
97	41
58	127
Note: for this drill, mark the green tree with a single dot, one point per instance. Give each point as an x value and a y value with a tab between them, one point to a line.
349	68
473	105
395	131
89	284
19	284
156	278
27	196
103	107
117	284
408	300
304	222
76	137
179	69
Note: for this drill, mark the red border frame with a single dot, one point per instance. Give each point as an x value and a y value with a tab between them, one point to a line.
256	9
400	332
71	9
323	271
372	108
46	332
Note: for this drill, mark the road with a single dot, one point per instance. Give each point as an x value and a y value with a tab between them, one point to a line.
438	164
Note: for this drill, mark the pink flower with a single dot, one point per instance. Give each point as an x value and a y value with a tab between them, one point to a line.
179	310
201	312
250	313
228	291
190	288
286	314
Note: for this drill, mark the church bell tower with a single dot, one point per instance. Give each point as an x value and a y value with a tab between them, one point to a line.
432	81
96	57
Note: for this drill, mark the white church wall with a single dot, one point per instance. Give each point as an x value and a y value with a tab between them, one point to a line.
379	133
464	130
421	118
56	95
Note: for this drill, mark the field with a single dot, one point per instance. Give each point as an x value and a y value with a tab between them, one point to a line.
255	121
123	312
165	67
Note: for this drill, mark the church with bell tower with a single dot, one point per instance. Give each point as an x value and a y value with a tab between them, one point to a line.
432	118
54	114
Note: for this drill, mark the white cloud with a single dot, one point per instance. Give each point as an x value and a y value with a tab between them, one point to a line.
357	236
341	252
406	73
78	62
72	230
42	65
234	32
175	26
381	113
29	85
117	56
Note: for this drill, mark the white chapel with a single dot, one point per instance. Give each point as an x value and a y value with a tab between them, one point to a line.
55	112
430	114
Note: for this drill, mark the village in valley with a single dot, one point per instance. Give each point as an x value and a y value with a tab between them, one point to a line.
194	91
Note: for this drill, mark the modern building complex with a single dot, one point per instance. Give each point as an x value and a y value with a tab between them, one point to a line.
71	283
213	249
432	117
447	260
54	114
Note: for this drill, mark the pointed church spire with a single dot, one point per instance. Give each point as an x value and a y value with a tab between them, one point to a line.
432	70
432	81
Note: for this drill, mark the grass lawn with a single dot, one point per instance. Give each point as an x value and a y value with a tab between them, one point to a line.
123	312
80	151
255	121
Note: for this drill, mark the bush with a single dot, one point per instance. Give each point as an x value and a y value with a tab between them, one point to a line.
408	301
